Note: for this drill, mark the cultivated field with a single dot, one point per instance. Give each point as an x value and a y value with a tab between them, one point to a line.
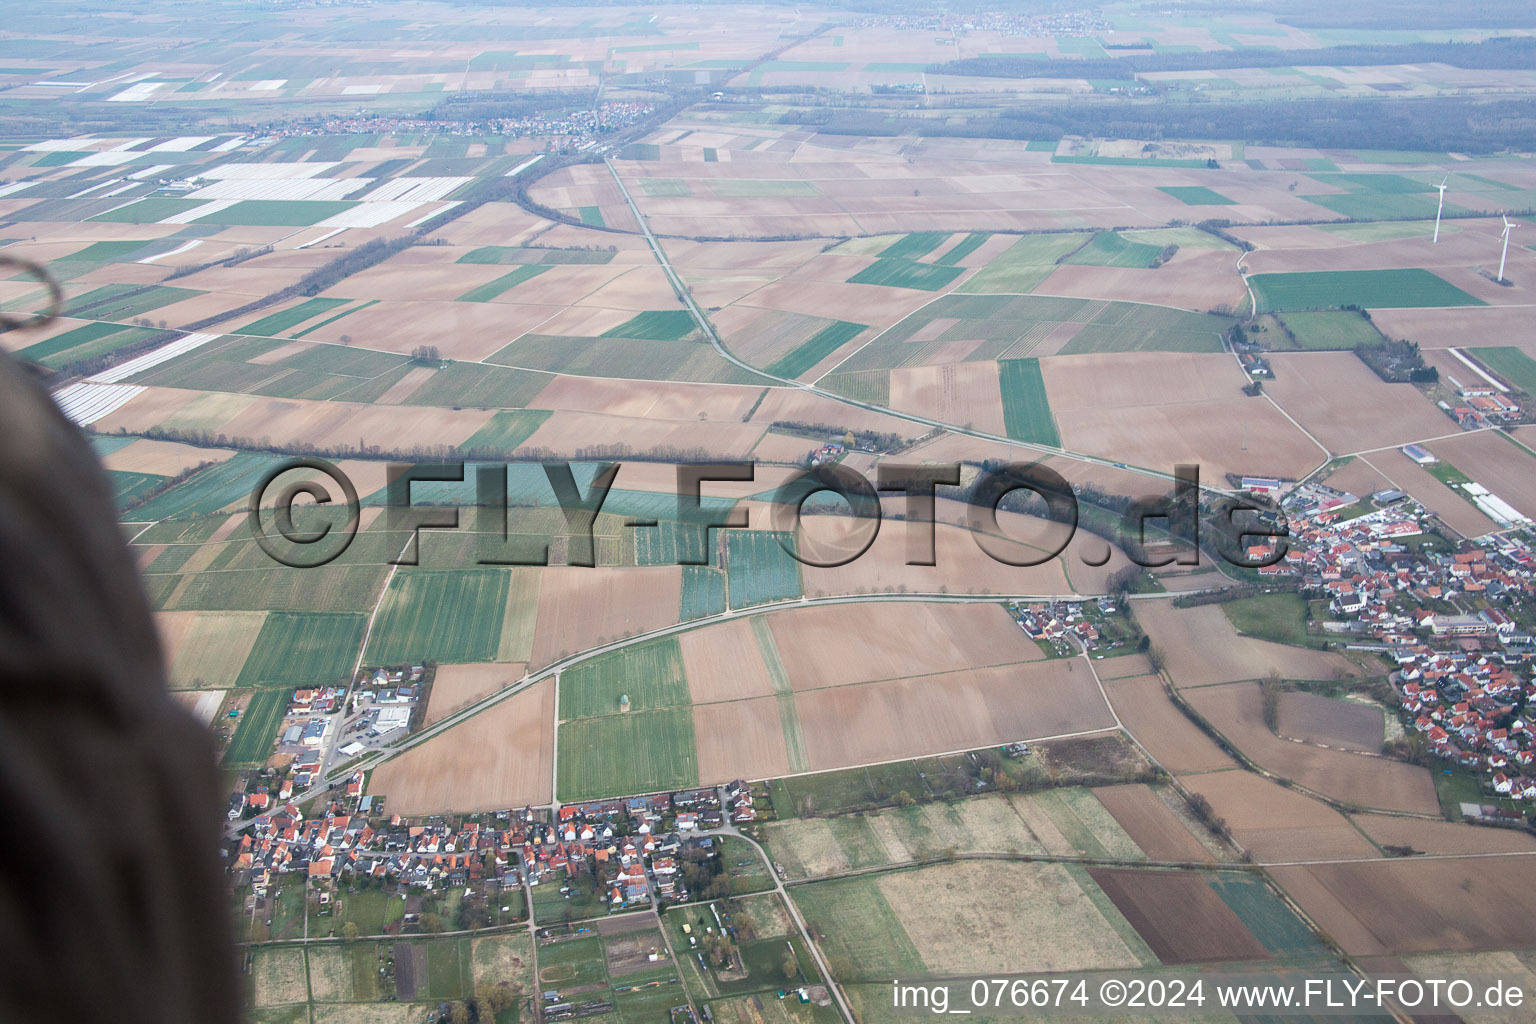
500	758
1150	716
1278	824
968	917
1200	647
1443	837
1147	819
580	607
207	649
457	686
1418	906
1180	916
857	643
1338	400
1158	409
1236	710
1342	724
898	718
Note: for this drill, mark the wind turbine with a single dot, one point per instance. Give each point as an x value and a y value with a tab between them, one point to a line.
1440	208
1508	227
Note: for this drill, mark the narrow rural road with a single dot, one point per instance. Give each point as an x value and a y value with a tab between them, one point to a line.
794	915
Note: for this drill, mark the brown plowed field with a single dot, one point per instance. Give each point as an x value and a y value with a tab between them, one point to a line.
1237	711
1342	403
1200	647
1200	281
1180	916
659	400
1151	825
503	757
457	686
898	718
724	662
1462	325
1160	408
1146	710
1342	724
1444	836
581	607
1418	906
164	458
858	643
564	432
967	394
297	421
1278	824
740	739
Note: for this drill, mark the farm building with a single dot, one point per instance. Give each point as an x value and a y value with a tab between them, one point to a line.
1423	456
1261	485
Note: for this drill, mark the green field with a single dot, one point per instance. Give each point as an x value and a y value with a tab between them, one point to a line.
120	301
670	542
209	489
873	386
148	211
257	730
758	569
1022	266
572	963
1271	921
1108	249
270	326
1196	195
1327	289
757	188
1278	617
641	752
506	430
1331	329
703	592
279	212
461	385
491	255
910	247
303	649
655	325
963	248
591	215
1026	409
130	488
85	342
814	349
443	615
650	674
860	934
506	282
108	252
665	188
899	273
1510	363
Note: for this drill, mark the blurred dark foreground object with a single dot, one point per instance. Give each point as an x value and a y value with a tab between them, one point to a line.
112	902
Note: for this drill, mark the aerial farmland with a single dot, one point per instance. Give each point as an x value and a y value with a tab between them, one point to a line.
518	418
